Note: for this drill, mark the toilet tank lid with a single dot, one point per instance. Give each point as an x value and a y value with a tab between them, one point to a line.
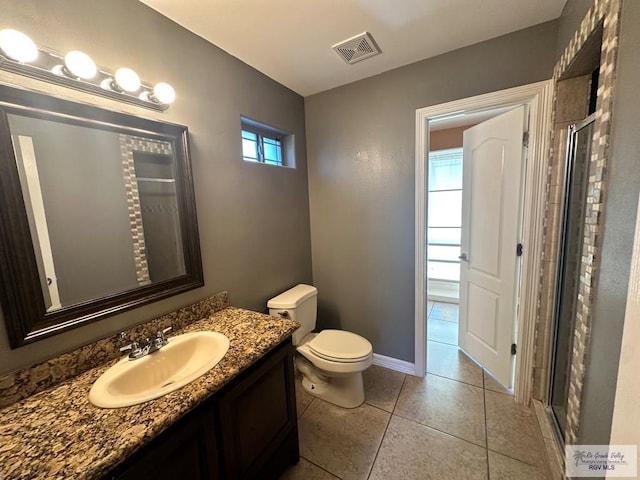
293	297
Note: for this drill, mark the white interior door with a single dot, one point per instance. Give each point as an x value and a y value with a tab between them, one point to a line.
492	166
28	169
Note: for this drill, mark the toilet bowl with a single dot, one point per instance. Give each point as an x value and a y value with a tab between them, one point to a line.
331	362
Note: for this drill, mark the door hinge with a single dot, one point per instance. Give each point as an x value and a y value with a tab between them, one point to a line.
525	139
519	249
513	349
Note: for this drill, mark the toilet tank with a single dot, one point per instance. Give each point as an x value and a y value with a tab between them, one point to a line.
299	303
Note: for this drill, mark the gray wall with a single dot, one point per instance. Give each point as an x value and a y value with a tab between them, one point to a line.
623	186
253	219
360	141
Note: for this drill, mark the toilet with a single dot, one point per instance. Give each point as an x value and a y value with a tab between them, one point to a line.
331	362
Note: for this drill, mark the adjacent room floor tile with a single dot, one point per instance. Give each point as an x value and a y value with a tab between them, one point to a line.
505	468
306	470
447	405
382	387
444	311
449	361
411	451
512	429
303	399
442	331
342	441
491	383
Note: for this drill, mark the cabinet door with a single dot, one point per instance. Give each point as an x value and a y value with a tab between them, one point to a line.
187	451
257	419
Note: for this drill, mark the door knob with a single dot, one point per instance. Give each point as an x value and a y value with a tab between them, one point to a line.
463	257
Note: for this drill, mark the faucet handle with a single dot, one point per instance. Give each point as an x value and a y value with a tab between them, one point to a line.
133	348
161	340
161	333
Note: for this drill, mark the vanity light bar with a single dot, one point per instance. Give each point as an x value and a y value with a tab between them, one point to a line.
19	54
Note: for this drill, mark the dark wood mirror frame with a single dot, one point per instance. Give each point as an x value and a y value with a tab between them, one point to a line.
21	296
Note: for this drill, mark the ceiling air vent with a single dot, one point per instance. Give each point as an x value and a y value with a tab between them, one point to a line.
357	48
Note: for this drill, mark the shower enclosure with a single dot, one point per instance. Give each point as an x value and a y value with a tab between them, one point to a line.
569	262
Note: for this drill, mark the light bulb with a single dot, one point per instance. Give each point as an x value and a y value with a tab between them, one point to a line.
164	93
127	80
80	65
17	46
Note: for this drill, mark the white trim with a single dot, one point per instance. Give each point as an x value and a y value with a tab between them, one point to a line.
538	96
533	221
394	364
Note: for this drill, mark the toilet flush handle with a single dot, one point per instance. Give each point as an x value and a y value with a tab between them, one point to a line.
284	314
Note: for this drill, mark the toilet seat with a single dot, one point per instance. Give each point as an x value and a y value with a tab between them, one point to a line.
340	346
334	367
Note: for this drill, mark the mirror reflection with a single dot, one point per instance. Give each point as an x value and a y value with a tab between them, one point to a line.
97	214
102	208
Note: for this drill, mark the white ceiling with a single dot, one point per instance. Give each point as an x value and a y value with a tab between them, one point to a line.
290	40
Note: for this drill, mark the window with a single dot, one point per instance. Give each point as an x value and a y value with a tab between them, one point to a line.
264	144
445	214
260	148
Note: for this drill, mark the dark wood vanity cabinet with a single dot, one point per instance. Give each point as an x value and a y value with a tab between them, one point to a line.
257	420
187	450
247	430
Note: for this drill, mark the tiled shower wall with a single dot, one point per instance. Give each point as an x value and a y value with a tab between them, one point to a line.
569	102
572	105
128	145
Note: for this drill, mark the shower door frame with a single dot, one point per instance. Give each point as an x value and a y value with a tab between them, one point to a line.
570	157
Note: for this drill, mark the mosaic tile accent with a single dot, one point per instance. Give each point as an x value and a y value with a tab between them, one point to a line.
23	383
128	145
607	13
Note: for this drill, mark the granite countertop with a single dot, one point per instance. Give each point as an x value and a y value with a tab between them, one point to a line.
59	434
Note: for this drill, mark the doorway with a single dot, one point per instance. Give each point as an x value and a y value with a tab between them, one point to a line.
473	225
537	97
444	221
444	225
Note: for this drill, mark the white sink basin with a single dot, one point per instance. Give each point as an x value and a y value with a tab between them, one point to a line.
185	358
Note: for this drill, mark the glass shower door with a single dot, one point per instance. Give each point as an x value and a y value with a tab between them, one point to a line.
569	262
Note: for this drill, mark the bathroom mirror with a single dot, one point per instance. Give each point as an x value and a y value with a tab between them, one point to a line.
98	214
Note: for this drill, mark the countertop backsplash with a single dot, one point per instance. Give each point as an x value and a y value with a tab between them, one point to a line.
23	383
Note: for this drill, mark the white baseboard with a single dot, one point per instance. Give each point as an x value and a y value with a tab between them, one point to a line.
394	364
443	299
441	291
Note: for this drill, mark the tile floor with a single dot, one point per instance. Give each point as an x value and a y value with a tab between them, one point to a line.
442	322
456	423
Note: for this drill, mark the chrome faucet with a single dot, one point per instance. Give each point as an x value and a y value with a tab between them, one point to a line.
136	351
